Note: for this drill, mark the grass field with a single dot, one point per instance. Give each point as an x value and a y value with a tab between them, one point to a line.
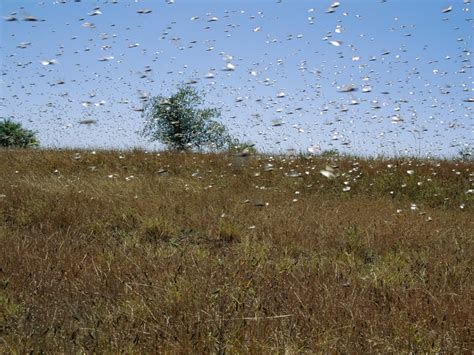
207	253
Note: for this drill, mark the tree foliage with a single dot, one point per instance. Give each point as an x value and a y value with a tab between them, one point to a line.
180	123
12	134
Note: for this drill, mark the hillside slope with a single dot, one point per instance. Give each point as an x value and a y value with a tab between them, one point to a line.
145	252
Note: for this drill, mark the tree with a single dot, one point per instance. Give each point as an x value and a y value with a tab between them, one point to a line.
178	122
12	134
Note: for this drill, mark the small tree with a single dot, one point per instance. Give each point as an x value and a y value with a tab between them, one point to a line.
178	122
12	134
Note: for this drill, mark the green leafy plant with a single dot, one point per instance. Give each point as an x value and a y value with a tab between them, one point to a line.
330	153
180	123
242	147
466	153
12	134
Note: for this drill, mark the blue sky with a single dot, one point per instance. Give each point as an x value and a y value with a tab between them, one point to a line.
409	61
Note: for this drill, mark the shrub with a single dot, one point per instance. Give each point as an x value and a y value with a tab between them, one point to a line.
12	134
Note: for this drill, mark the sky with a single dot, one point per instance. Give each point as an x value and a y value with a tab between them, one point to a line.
365	77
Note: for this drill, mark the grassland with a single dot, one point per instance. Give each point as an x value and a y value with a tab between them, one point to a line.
207	253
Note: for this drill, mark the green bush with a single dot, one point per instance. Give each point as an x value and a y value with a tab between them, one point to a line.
12	134
242	148
330	153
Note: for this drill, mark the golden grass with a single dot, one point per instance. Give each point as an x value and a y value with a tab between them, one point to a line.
201	253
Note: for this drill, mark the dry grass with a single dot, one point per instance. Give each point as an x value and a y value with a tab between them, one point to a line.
181	253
